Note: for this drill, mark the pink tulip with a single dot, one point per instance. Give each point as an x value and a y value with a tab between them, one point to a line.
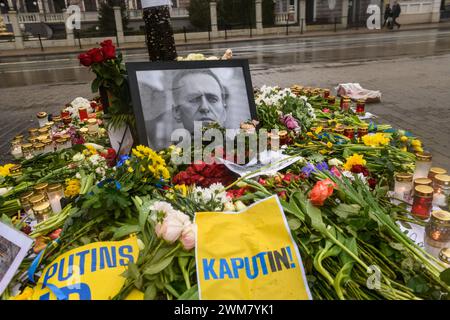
172	226
188	236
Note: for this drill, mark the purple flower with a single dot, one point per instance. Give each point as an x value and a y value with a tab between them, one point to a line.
308	169
290	122
323	166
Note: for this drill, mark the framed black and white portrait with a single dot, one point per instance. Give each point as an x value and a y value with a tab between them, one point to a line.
171	95
14	246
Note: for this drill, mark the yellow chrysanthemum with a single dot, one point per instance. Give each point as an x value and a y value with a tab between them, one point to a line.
151	161
404	139
318	130
4	170
72	188
329	144
375	140
416	143
130	169
181	188
354	160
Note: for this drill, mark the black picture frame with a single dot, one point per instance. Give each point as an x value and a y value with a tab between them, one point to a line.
134	67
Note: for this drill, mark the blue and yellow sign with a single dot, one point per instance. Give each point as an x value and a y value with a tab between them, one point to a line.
91	272
249	255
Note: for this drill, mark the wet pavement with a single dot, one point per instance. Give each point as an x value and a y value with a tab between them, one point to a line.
410	68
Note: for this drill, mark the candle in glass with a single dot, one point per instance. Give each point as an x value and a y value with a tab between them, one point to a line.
349	132
326	93
437	230
82	112
92	125
42	211
434	171
27	150
423	165
25	201
15	170
403	186
331	100
345	105
360	107
55	193
39	148
444	256
42	118
422	204
16	148
442	191
49	147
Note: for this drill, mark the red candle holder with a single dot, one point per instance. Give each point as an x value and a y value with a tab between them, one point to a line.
345	104
65	113
423	202
82	112
360	107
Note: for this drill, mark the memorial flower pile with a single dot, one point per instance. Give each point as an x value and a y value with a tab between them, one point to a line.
335	199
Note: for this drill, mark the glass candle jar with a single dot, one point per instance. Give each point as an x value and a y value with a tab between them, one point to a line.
67	141
33	132
437	230
41	189
42	118
55	193
58	123
326	93
27	150
338	130
42	211
65	113
432	174
92	125
38	148
84	132
16	170
345	106
19	137
60	144
403	186
360	107
67	120
25	200
331	100
349	132
423	165
362	131
422	182
16	148
37	199
49	147
44	131
442	191
422	203
444	256
82	112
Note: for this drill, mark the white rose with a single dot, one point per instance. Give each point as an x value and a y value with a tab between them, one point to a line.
78	157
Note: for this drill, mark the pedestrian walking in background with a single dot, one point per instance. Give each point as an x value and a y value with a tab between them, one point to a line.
388	16
396	10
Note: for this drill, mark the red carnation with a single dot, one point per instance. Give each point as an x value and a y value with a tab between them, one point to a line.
96	55
85	59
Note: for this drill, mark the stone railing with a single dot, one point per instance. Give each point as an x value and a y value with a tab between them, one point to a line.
290	17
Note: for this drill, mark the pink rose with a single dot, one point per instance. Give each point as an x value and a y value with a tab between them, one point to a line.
326	110
290	122
188	236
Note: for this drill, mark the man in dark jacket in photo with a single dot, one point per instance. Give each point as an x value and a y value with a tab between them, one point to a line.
396	10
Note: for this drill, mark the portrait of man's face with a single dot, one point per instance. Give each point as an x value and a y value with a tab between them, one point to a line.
179	98
198	97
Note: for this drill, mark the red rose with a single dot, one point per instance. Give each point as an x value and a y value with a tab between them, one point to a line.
282	195
109	52
85	59
106	43
96	55
372	183
321	191
262	181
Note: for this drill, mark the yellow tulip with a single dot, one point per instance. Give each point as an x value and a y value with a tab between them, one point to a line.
416	143
404	139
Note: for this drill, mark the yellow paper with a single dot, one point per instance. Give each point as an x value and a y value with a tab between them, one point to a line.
90	272
249	255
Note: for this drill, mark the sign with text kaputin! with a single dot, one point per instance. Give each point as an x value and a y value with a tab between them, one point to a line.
90	272
249	255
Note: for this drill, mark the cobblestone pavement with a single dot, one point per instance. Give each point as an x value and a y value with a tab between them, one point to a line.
415	96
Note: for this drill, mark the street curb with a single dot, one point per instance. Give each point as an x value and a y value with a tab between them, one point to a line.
249	39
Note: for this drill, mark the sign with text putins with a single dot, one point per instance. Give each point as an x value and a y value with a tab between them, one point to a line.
90	272
249	255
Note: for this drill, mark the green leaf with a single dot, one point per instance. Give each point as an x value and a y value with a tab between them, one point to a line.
418	284
342	276
150	292
132	271
95	85
190	294
315	215
345	210
293	223
125	230
159	266
445	276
